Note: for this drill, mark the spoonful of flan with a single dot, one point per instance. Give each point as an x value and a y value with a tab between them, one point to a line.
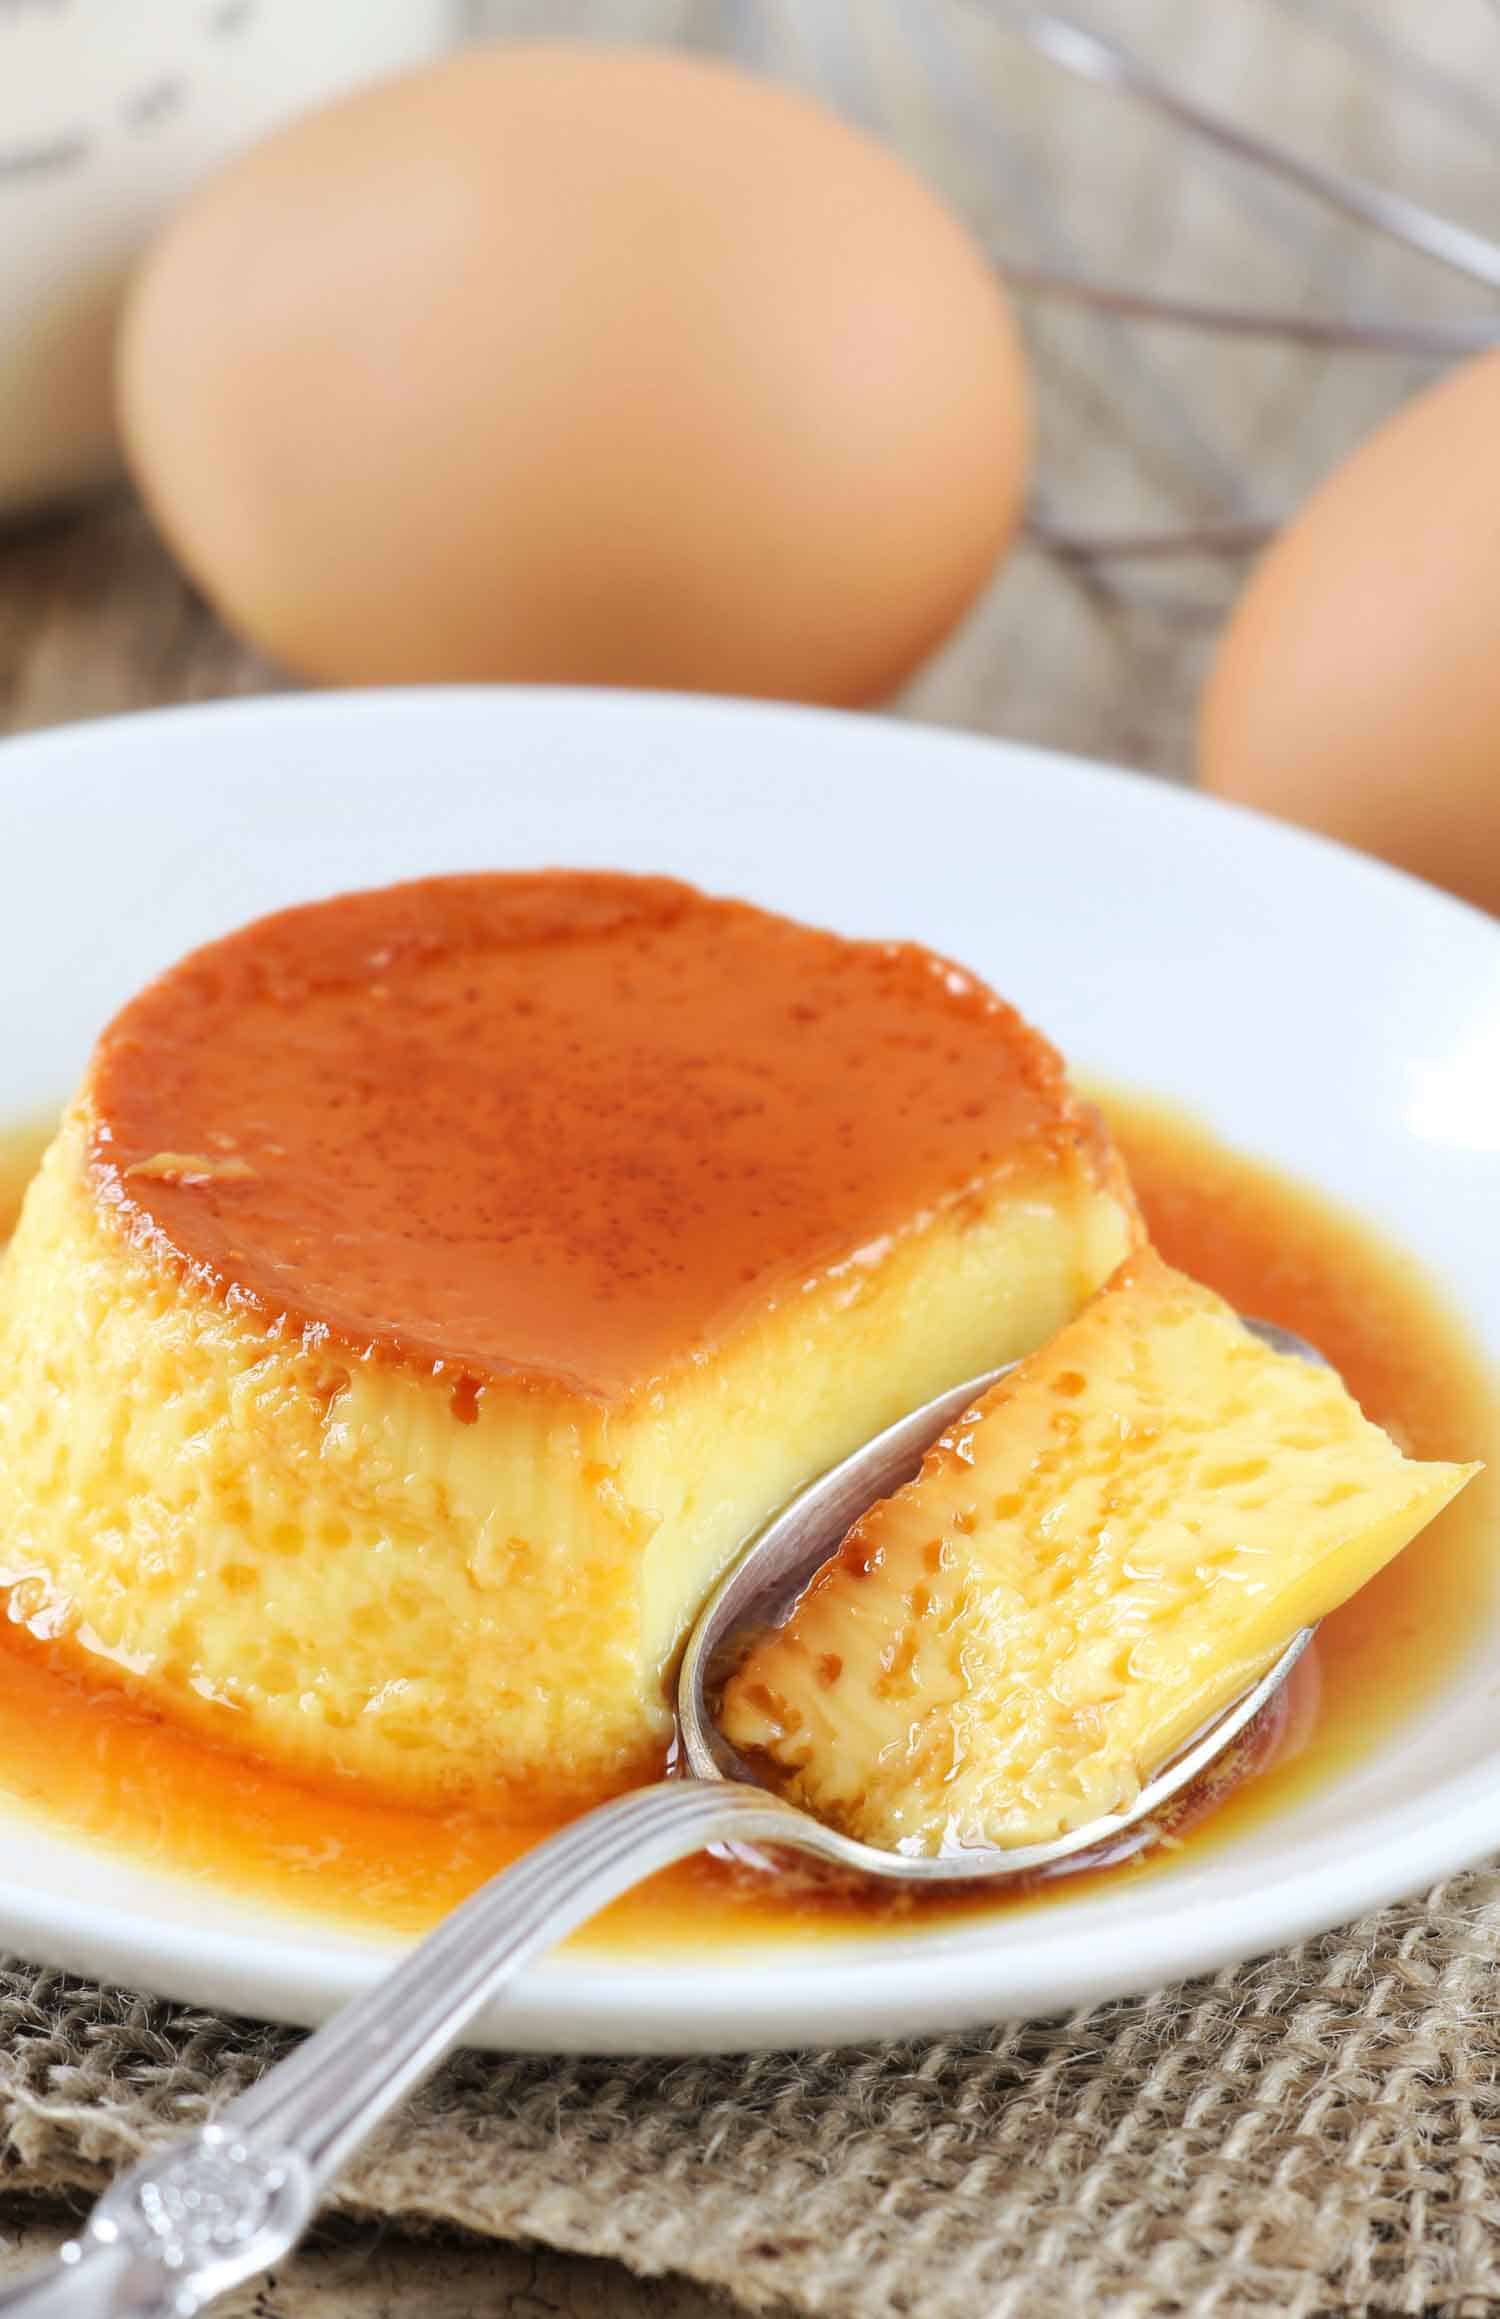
1100	1554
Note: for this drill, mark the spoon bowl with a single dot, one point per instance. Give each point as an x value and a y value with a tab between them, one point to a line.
760	1589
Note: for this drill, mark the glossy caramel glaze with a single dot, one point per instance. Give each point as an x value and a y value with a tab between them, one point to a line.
566	1127
89	1760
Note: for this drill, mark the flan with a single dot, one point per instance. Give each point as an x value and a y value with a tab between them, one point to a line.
1094	1560
430	1289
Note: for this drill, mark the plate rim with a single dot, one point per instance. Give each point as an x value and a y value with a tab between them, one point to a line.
1149	789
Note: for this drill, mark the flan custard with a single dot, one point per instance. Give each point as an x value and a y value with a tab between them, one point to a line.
1094	1560
428	1291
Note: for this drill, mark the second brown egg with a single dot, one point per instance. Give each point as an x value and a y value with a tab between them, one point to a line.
1357	686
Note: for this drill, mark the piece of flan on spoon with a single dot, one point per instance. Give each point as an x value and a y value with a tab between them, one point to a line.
1099	1556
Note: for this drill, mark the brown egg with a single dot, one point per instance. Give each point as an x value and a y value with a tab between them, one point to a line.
581	365
1357	686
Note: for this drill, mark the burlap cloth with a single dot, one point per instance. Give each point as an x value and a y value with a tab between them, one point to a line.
1309	2134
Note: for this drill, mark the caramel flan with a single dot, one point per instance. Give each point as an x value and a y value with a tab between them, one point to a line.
429	1290
1098	1557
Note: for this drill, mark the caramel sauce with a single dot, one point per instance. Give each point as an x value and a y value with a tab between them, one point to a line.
100	1766
563	1126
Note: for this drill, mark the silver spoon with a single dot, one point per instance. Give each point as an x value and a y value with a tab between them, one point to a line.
209	2212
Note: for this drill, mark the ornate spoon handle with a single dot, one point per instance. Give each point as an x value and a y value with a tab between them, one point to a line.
193	2221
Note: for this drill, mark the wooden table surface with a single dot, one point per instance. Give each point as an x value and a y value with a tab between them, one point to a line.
1140	428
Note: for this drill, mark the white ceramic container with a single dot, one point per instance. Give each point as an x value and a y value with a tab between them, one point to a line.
108	113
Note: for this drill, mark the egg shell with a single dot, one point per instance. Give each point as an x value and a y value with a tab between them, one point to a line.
1356	689
577	364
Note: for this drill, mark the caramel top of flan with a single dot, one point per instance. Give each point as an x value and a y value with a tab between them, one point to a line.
562	1126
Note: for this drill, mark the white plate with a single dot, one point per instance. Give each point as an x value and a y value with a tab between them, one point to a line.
1311	1006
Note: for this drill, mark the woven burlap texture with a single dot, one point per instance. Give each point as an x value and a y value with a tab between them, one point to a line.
1309	2134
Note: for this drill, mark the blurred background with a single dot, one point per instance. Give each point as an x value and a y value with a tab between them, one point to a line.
1095	634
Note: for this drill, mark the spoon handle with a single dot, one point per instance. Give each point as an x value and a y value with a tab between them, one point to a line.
209	2212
